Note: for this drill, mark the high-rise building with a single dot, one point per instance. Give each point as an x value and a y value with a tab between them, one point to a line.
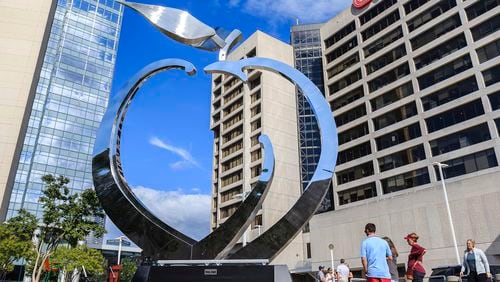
68	99
411	83
240	113
23	39
306	43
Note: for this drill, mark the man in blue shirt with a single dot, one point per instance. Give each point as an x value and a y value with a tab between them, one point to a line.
374	255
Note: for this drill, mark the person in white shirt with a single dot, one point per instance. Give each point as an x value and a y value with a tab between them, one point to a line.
343	271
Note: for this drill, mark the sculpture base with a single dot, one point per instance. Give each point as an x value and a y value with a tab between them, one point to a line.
239	273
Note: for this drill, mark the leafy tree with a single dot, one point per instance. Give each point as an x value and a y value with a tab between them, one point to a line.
67	218
68	259
129	267
16	240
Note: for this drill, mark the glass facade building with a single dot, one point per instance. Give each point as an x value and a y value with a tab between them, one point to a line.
70	100
306	43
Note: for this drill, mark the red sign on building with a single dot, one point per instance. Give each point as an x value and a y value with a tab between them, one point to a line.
360	4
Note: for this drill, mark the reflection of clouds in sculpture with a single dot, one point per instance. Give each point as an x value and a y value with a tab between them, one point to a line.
188	213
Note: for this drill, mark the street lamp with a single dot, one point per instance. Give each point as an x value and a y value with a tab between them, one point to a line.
440	167
243	196
120	239
331	255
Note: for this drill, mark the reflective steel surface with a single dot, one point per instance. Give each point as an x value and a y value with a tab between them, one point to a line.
161	241
276	238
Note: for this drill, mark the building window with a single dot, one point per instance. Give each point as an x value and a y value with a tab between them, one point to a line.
398	136
308	250
480	7
350	115
232	163
359	193
383	41
486	28
353	133
495	100
252	53
228	211
470	163
353	153
233	107
461	139
232	134
402	158
386	59
436	31
405	181
489	51
232	149
392	96
412	5
342	66
491	75
255	111
255	125
257	221
233	94
345	81
375	11
380	25
256	155
339	35
433	12
355	173
389	77
254	83
255	96
232	121
450	93
342	49
229	195
454	116
255	171
347	98
231	178
444	72
395	116
497	122
442	50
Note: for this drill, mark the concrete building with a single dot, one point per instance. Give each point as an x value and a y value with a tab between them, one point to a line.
411	83
24	26
59	61
240	113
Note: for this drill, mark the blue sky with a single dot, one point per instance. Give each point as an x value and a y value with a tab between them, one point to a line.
167	142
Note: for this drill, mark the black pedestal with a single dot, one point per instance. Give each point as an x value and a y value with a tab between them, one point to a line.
237	273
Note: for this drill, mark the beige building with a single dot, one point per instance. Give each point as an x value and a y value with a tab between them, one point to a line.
24	33
411	83
240	113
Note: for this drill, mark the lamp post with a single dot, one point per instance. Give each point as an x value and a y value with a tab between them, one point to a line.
331	246
243	196
440	167
120	239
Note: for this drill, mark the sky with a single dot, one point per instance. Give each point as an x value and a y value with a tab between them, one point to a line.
167	143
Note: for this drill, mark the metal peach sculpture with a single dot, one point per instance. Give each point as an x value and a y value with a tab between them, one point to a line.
161	241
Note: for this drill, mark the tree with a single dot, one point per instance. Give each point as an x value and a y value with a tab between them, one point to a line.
129	267
67	218
16	240
68	259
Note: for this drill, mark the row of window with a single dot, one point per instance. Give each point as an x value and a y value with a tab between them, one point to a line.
456	167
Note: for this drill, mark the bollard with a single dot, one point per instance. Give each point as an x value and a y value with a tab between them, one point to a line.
452	278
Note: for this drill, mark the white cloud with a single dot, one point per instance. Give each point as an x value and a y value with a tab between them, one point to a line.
187	160
309	11
188	213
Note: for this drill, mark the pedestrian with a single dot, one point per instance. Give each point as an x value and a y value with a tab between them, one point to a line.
320	276
393	264
343	271
330	277
415	270
374	255
476	263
